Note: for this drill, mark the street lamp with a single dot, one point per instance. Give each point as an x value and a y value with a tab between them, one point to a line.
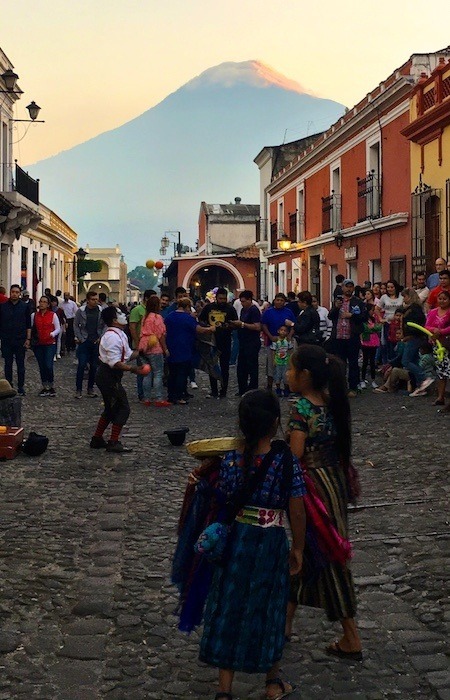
79	256
165	242
284	242
10	79
339	239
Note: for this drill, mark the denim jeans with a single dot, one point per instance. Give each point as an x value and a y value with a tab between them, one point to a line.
45	355
410	360
87	353
155	378
10	352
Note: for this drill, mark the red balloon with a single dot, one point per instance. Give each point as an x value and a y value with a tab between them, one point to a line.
145	369
159	265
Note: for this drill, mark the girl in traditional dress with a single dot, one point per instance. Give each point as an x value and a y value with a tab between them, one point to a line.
246	607
319	434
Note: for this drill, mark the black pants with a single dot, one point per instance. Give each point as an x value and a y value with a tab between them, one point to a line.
117	408
368	359
9	352
224	361
348	351
70	336
247	367
176	383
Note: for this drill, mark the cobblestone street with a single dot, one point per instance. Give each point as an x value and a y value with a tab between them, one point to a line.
86	605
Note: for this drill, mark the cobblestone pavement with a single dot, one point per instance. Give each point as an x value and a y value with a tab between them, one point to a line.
86	605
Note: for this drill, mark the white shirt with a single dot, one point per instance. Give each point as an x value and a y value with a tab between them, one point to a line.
114	347
69	307
423	294
326	326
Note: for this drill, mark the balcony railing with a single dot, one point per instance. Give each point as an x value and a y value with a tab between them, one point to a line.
273	235
26	186
293	227
331	213
369	198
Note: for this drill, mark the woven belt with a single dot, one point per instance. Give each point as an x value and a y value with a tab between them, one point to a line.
261	517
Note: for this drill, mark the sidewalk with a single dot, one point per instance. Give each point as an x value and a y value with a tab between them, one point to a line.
86	538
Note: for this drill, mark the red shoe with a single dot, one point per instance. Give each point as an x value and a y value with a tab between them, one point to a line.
162	404
147	402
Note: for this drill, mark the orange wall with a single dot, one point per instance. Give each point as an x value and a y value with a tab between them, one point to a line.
316	187
396	167
353	165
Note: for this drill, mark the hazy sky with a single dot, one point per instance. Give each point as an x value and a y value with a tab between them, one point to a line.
95	64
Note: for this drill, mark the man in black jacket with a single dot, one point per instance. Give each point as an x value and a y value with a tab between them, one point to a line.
307	325
15	335
348	315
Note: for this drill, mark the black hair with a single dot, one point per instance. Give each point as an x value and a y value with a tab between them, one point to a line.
102	296
328	372
305	297
398	288
426	347
444	273
222	290
180	290
53	300
291	296
280	295
246	294
15	286
339	279
259	411
109	314
149	293
58	292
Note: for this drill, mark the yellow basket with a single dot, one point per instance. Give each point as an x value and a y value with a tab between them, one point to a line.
213	447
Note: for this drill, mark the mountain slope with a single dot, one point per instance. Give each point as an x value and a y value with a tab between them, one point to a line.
129	185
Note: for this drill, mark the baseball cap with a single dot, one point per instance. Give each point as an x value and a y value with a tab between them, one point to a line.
25	293
348	282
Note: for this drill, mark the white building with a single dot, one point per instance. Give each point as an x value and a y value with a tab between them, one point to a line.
112	278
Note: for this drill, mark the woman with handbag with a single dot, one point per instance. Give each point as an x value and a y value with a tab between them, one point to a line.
45	329
319	434
438	322
153	348
246	605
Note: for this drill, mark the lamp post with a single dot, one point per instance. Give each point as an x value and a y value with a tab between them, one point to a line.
10	80
339	239
165	241
78	257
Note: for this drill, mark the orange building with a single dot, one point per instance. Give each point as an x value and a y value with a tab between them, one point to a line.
226	255
342	204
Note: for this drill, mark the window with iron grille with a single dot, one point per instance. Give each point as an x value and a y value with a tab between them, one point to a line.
397	269
293	227
368	189
273	236
331	213
425	220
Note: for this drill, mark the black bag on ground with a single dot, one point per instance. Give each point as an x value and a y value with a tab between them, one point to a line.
35	444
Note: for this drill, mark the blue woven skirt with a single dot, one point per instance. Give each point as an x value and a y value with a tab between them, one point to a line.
246	607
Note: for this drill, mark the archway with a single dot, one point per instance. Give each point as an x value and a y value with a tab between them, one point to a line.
210	273
99	287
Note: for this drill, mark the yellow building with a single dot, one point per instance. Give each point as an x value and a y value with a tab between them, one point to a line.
429	134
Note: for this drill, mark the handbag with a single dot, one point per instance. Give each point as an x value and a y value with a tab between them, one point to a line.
214	540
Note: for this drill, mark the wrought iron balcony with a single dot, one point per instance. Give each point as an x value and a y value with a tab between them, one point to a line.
25	185
369	196
331	213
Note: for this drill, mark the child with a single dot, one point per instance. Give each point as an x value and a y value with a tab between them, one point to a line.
319	434
393	373
370	342
246	606
281	349
394	325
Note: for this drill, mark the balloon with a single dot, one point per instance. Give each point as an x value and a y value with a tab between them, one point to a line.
441	351
159	265
145	369
150	264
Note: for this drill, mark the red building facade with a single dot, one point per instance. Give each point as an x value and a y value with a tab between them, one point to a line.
343	203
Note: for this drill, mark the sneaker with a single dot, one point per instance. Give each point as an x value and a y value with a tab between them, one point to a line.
21	392
58	357
374	385
117	447
43	392
78	395
97	443
362	385
51	392
91	394
54	359
194	385
162	404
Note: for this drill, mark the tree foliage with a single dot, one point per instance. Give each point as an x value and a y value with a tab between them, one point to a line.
86	266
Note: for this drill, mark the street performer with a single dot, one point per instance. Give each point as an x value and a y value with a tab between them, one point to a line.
114	354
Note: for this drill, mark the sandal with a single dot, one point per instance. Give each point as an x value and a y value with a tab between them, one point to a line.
438	402
335	650
284	690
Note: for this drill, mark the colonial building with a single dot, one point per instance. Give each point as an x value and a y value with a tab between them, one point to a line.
226	255
342	204
429	135
36	246
112	278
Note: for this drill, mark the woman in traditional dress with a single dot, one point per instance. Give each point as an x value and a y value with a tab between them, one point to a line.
319	434
246	607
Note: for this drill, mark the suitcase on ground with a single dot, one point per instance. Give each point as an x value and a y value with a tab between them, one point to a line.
10	442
